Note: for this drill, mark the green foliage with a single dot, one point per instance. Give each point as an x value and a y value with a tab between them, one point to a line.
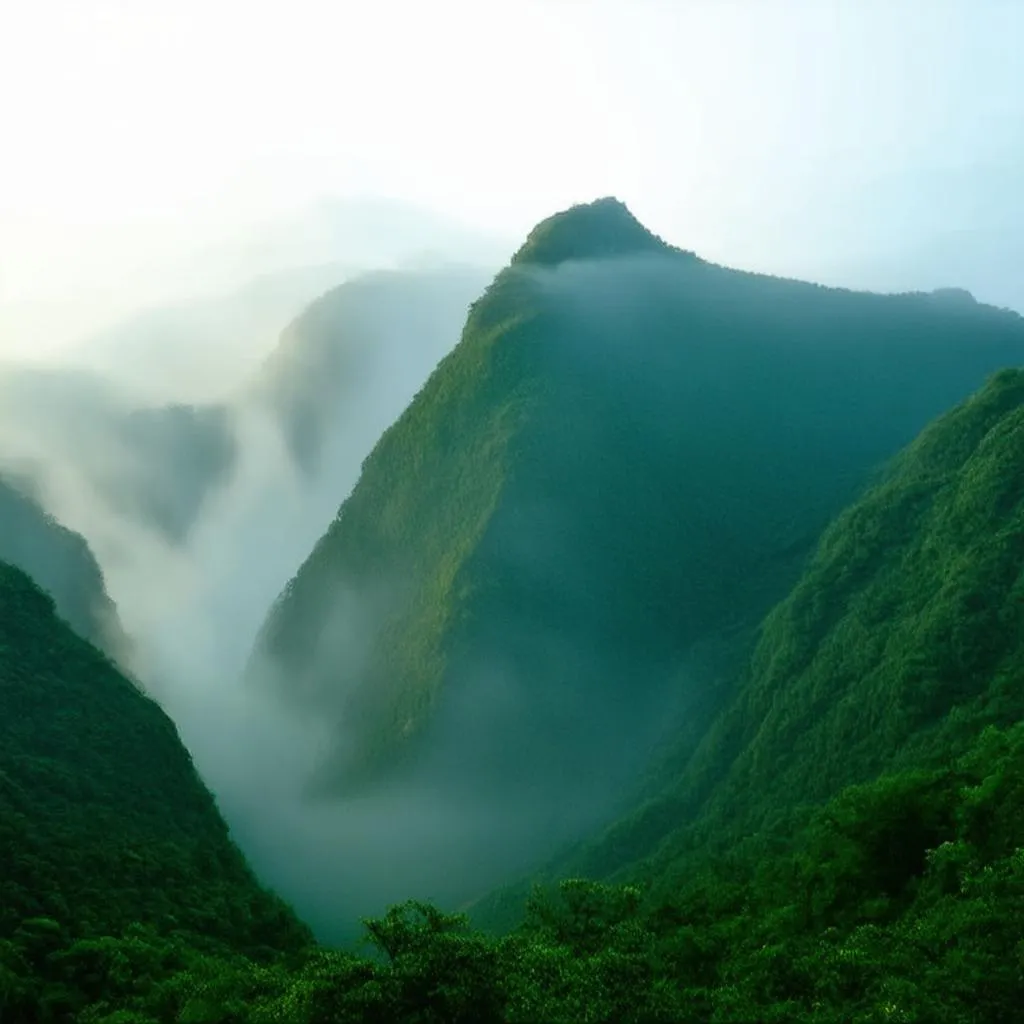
436	970
879	907
104	824
899	899
900	643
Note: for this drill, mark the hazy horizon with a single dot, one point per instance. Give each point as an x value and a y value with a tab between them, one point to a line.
156	154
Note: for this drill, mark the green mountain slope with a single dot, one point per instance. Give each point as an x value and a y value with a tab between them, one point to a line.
62	563
104	824
901	642
630	451
846	842
899	899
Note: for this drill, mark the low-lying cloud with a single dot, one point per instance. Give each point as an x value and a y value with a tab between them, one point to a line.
193	605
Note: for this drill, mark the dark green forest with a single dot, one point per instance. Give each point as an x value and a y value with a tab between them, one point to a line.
785	523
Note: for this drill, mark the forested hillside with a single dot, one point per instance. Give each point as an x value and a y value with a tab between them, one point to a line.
115	866
901	642
62	563
846	842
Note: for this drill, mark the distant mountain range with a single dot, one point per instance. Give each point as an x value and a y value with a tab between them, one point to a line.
146	297
201	350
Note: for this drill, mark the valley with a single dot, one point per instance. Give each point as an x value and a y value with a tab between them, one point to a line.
666	618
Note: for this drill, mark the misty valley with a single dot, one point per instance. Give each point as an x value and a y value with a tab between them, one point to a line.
592	633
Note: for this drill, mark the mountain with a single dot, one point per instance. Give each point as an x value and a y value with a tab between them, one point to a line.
81	438
140	301
106	832
898	646
63	564
178	455
602	229
348	365
619	469
845	842
201	349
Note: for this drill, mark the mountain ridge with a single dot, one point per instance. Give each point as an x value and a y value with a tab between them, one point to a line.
600	229
63	564
350	336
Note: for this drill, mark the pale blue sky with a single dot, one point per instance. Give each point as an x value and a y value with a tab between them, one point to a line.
826	139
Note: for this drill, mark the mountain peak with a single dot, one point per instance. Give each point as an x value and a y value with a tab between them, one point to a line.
595	230
954	296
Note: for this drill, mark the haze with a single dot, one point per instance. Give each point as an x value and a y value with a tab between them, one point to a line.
819	139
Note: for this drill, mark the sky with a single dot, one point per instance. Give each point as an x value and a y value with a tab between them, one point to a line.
861	142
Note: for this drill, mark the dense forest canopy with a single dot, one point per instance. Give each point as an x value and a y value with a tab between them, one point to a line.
105	827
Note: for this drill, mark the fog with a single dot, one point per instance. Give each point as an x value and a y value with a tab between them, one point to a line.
815	140
193	600
188	309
